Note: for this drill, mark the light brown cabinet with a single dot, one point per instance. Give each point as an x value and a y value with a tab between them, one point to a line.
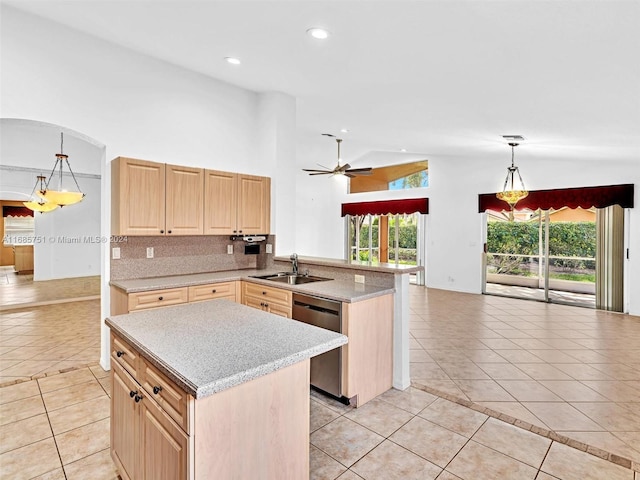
145	442
149	198
160	432
236	203
269	299
123	302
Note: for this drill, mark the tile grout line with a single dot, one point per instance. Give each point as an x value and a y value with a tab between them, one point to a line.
55	442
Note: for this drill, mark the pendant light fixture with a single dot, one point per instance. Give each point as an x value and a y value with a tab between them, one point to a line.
61	196
41	206
514	189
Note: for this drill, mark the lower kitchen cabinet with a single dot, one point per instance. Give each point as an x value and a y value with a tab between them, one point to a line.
251	430
269	299
145	442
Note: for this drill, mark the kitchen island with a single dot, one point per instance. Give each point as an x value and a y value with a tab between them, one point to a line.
212	389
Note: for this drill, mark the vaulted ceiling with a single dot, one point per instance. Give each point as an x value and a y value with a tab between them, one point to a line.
441	79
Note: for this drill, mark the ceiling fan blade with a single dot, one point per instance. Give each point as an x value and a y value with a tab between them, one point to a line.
321	173
344	167
350	175
310	170
360	170
352	172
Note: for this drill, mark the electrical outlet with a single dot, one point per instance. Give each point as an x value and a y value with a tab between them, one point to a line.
269	248
115	253
149	252
359	278
230	249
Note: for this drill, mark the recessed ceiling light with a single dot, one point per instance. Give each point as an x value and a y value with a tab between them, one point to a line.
319	33
403	149
233	60
344	130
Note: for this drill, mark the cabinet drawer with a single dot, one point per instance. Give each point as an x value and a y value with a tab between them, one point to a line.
157	298
279	310
124	355
271	295
173	400
213	290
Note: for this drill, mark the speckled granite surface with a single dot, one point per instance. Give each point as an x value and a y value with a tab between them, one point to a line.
210	346
341	290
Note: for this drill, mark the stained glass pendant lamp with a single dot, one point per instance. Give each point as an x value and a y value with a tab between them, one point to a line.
514	189
61	196
40	205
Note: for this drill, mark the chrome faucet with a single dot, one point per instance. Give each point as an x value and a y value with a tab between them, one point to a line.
294	261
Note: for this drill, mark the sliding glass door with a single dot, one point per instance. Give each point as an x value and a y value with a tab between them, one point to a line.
545	255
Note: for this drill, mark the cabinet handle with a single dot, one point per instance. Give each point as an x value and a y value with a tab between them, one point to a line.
213	291
119	353
262	304
264	293
137	398
161	231
160	298
168	231
132	393
156	389
235	231
239	231
266	305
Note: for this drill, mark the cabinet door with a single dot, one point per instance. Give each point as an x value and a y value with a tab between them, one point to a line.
220	202
138	197
184	200
254	204
164	446
124	422
254	302
279	310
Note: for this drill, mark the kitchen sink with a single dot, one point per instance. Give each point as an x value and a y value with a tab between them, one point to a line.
291	278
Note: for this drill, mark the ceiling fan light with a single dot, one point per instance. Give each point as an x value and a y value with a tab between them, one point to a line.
61	198
40	207
513	190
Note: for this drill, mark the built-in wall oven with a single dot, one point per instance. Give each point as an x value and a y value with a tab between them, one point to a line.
326	369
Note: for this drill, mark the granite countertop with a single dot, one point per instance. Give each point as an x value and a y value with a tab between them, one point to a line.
340	290
209	346
355	264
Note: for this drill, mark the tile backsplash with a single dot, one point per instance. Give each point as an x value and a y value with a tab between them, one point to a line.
181	255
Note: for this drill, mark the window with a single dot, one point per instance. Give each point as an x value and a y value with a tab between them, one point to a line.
394	177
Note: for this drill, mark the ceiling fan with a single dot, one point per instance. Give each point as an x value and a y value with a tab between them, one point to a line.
345	169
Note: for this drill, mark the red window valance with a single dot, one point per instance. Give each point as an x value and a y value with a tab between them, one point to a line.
585	197
387	207
9	211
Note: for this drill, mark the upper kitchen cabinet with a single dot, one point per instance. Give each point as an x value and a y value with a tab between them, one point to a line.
184	200
151	198
236	203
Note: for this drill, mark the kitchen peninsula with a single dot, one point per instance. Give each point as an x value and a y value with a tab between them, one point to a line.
212	389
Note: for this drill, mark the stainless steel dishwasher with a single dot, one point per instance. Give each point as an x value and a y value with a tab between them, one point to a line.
326	369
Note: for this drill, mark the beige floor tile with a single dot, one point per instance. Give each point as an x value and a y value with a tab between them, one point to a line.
389	461
345	440
573	391
21	409
83	441
326	401
26	368
30	461
57	474
98	466
412	400
79	414
504	371
320	415
322	466
448	476
519	356
349	475
430	441
484	390
63	380
457	418
380	417
542	371
614	390
570	464
545	476
105	382
429	371
613	417
478	462
73	394
463	371
515	442
444	386
581	371
19	391
98	371
563	416
24	432
528	391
